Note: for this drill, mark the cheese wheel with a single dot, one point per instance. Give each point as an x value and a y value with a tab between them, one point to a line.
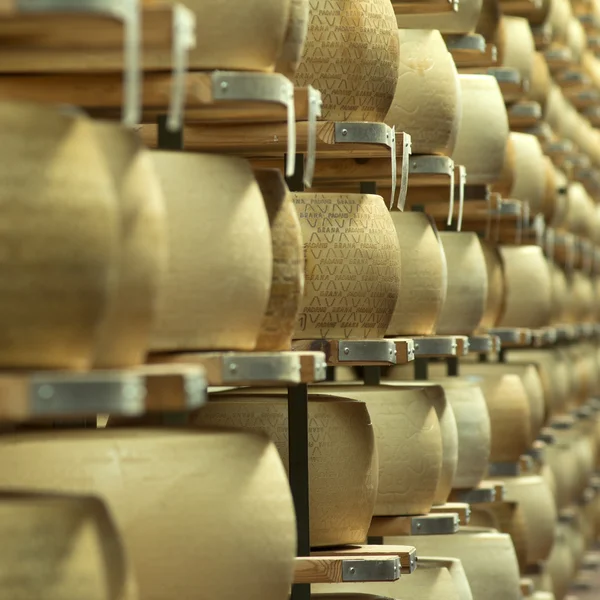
581	211
352	266
531	381
351	56
559	19
295	36
494	306
482	135
61	547
540	81
541	579
530	171
417	451
427	100
124	335
576	39
245	36
489	21
60	230
550	202
488	558
463	20
528	300
423	275
467	284
556	105
562	460
287	283
505	183
432	579
537	503
519	47
214	300
342	456
581	292
180	499
508	407
540	13
506	517
561	565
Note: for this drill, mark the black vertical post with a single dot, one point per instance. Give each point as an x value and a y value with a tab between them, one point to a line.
372	375
167	139
298	467
421	368
296	181
368	187
452	366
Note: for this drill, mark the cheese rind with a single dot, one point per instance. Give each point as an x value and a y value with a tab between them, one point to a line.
530	171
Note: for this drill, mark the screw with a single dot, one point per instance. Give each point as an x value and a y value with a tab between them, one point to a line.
46	392
344	132
416	346
233	367
418	525
351	570
346	351
224	85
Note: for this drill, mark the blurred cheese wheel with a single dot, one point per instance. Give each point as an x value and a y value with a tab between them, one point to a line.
506	181
508	407
539	15
488	558
528	287
541	579
351	56
342	456
483	129
562	460
124	335
550	201
561	565
352	266
432	579
536	500
61	547
180	499
582	297
213	299
423	275
427	100
467	284
60	227
539	84
295	36
559	18
519	48
463	20
413	459
559	292
555	106
530	171
576	39
531	381
494	305
489	21
506	517
581	211
287	283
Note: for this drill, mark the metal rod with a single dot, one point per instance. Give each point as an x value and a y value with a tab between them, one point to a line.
298	469
372	375
452	366
167	139
421	368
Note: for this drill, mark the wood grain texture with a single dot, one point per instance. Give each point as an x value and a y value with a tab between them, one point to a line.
327	569
351	56
217	284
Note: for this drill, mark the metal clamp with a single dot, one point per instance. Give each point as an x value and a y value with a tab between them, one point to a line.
184	39
406	153
435	165
435	346
261	367
508	336
504	469
473	42
435	524
355	570
484	344
394	167
315	108
530	110
505	75
461	195
359	351
480	495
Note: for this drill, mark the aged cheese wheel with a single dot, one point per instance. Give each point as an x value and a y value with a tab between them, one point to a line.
352	266
432	579
561	565
530	171
467	283
489	21
180	499
488	558
559	18
472	423
427	100
550	203
581	211
563	462
539	84
351	56
519	47
505	183
246	36
212	300
536	500
541	579
555	106
463	20
59	233
142	249
343	458
423	275
295	36
417	451
528	300
531	381
483	133
582	298
287	283
494	306
61	547
508	407
576	39
506	517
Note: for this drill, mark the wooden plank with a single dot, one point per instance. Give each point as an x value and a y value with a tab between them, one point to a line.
329	569
406	554
462	509
464	58
424	7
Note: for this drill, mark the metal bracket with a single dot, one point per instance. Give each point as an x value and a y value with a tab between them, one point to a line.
354	570
394	167
526	110
406	153
184	39
473	42
484	344
435	524
247	367
505	75
366	351
435	346
476	496
362	133
514	337
503	469
315	107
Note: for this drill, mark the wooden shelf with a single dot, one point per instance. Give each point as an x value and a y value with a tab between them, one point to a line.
485	493
359	352
49	395
471	50
431	524
513	337
252	368
406	554
339	569
460	508
524	115
424	7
